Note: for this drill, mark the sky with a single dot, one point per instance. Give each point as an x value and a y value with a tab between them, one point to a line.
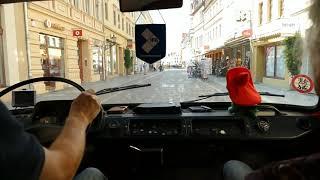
177	22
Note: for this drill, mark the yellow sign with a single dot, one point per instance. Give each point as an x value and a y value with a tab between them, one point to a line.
49	24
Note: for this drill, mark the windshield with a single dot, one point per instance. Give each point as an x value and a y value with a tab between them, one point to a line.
93	44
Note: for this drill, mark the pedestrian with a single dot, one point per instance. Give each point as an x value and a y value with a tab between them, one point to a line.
144	68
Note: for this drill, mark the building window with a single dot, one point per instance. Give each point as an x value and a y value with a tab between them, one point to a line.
260	13
269	10
106	12
52	58
217	31
77	4
114	18
86	6
132	31
97	10
213	34
275	62
220	30
122	24
119	21
281	5
72	2
129	29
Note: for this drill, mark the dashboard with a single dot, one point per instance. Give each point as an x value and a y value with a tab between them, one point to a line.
47	118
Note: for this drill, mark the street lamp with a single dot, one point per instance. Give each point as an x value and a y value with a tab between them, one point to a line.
112	42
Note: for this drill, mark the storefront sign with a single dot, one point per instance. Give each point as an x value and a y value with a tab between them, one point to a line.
49	24
247	33
77	32
302	84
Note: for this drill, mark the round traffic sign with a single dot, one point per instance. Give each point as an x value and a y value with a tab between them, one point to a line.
302	83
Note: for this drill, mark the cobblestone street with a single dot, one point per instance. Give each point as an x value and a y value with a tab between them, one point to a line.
173	86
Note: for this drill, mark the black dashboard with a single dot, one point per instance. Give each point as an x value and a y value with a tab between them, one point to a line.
47	118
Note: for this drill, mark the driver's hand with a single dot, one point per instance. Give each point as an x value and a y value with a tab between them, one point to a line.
85	107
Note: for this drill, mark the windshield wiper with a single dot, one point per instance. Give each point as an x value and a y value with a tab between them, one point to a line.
227	94
116	89
203	97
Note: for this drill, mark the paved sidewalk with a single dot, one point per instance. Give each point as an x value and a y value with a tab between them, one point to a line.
291	96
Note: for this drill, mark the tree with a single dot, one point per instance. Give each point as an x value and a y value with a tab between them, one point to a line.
293	53
127	60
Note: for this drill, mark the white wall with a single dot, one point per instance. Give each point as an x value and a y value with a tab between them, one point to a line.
10	52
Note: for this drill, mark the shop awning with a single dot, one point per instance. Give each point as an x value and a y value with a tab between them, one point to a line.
272	38
236	41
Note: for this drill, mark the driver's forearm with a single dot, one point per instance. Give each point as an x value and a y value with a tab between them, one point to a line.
67	150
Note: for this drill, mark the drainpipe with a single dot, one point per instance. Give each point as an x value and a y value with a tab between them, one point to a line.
25	9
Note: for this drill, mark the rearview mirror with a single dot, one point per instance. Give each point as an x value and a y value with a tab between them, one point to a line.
144	5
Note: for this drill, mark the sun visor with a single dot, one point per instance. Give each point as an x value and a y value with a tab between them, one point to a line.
150	42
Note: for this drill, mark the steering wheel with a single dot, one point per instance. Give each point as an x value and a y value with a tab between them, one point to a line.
96	125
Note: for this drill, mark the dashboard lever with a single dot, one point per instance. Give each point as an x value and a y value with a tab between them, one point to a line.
267	107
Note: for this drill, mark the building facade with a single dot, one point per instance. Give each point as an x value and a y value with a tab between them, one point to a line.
186	50
94	54
275	20
197	29
238	32
81	40
214	25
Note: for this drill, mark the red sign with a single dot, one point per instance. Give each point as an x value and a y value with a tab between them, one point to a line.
302	84
77	32
247	33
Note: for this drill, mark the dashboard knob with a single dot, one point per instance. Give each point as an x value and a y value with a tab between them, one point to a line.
304	124
264	126
222	132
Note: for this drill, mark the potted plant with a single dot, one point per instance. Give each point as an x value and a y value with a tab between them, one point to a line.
127	60
293	54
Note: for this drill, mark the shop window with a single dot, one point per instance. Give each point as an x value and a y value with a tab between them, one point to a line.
275	63
97	60
260	11
52	57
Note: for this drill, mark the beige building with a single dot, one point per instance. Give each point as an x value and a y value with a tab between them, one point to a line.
273	21
81	40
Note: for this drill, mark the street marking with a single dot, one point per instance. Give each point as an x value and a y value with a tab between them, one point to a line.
152	41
